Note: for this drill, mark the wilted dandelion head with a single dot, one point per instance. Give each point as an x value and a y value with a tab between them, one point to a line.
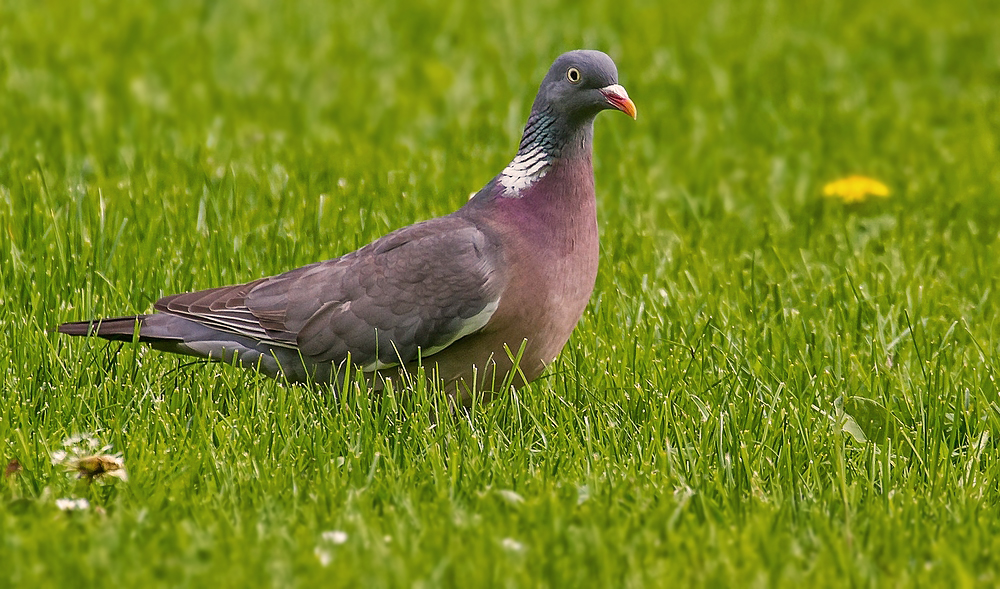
86	456
13	467
111	465
855	189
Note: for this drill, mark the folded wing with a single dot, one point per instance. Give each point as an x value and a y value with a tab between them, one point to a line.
409	294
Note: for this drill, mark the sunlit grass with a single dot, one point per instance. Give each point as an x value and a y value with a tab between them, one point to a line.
768	387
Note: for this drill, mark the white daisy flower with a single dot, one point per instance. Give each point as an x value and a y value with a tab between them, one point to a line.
72	504
335	536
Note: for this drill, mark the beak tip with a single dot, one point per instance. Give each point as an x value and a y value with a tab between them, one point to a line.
618	99
628	107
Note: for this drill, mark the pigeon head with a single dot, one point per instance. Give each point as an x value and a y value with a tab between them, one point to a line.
579	85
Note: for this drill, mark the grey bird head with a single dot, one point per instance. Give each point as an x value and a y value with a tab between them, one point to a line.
579	85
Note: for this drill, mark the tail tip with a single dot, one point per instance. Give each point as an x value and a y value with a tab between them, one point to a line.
82	328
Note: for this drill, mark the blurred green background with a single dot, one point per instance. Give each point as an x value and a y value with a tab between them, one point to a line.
770	387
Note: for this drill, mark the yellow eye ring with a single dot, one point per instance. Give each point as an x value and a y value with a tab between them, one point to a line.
573	75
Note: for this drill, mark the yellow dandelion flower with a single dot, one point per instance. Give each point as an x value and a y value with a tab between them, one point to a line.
855	189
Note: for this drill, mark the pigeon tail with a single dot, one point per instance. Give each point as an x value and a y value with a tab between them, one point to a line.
115	328
123	329
178	335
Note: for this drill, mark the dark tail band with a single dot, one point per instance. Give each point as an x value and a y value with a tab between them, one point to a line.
117	328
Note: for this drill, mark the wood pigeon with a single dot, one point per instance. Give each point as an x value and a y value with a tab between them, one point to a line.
508	274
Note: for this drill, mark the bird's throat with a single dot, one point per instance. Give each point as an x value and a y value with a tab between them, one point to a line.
544	143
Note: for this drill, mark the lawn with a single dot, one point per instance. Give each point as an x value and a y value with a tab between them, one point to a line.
771	387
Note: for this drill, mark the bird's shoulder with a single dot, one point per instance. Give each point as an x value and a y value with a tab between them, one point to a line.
420	287
449	248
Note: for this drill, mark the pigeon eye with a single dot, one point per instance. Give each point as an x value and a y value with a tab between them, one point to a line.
573	75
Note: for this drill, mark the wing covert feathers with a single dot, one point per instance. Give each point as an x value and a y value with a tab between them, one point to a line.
414	291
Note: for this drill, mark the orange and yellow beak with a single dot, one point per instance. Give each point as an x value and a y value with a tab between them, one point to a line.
618	98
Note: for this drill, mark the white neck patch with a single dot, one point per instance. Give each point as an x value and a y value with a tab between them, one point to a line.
528	167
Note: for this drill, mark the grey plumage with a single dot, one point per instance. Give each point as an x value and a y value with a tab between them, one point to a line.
515	266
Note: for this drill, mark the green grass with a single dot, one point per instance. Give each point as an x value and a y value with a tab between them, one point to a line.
703	425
